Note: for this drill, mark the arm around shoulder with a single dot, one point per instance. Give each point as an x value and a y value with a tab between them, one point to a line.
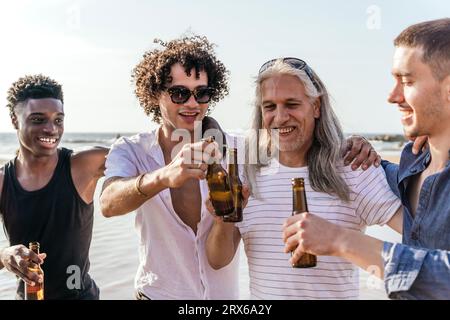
91	161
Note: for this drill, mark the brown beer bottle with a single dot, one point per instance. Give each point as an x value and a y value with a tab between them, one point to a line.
35	292
300	205
236	187
219	187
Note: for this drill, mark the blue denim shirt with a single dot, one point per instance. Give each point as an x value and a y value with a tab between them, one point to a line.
419	268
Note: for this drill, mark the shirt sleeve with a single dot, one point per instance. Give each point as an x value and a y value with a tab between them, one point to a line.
119	162
391	171
376	203
416	273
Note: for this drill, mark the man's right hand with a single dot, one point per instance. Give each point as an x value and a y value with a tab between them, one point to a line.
17	259
190	162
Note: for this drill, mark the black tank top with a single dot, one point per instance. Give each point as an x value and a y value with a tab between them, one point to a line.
60	221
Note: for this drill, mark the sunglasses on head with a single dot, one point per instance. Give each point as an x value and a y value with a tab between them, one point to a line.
294	63
181	94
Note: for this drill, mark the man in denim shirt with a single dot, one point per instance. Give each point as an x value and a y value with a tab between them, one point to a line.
419	268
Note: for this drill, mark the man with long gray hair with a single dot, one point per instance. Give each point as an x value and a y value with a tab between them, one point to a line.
302	138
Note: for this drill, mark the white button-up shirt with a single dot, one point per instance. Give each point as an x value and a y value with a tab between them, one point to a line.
173	262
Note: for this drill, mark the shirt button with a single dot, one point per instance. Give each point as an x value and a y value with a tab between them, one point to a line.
413	170
414	235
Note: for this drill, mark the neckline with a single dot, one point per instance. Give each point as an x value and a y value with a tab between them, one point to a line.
19	186
274	162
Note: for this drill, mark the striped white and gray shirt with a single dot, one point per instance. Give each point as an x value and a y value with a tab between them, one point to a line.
271	276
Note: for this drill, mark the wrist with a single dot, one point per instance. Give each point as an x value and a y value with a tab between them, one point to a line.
222	226
341	243
161	178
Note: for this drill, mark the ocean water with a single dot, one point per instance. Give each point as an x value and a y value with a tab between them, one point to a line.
114	256
9	144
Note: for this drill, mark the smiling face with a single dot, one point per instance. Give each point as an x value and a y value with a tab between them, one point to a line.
182	116
40	126
419	96
287	109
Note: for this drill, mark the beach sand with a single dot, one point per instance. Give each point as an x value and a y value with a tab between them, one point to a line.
114	259
391	158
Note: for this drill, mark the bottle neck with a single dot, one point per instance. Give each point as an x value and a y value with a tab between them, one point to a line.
232	163
299	199
34	248
232	170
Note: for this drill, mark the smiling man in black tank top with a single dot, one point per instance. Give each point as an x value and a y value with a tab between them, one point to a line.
46	195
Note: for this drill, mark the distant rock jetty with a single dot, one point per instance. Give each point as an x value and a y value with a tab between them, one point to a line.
385	141
387	137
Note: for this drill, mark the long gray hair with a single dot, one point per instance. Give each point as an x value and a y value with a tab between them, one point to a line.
325	154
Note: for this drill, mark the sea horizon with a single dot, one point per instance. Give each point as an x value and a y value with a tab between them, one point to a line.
386	143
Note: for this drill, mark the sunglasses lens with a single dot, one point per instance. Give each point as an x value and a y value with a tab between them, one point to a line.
296	63
266	66
179	95
203	95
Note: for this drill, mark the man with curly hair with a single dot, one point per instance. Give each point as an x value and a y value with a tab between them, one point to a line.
160	174
46	195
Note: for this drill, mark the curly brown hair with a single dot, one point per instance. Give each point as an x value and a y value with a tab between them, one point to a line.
152	75
32	87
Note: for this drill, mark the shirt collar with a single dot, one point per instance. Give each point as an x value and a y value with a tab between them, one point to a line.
420	164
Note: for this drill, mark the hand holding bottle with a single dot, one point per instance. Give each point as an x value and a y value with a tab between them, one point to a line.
190	162
308	233
245	195
18	259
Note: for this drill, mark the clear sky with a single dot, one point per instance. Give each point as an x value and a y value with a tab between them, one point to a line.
91	47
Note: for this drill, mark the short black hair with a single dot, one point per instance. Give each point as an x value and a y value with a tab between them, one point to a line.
32	87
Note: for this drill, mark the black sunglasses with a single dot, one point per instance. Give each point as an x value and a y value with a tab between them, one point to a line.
181	94
294	63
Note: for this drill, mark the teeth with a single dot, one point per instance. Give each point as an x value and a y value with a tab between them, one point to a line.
286	130
405	112
48	140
